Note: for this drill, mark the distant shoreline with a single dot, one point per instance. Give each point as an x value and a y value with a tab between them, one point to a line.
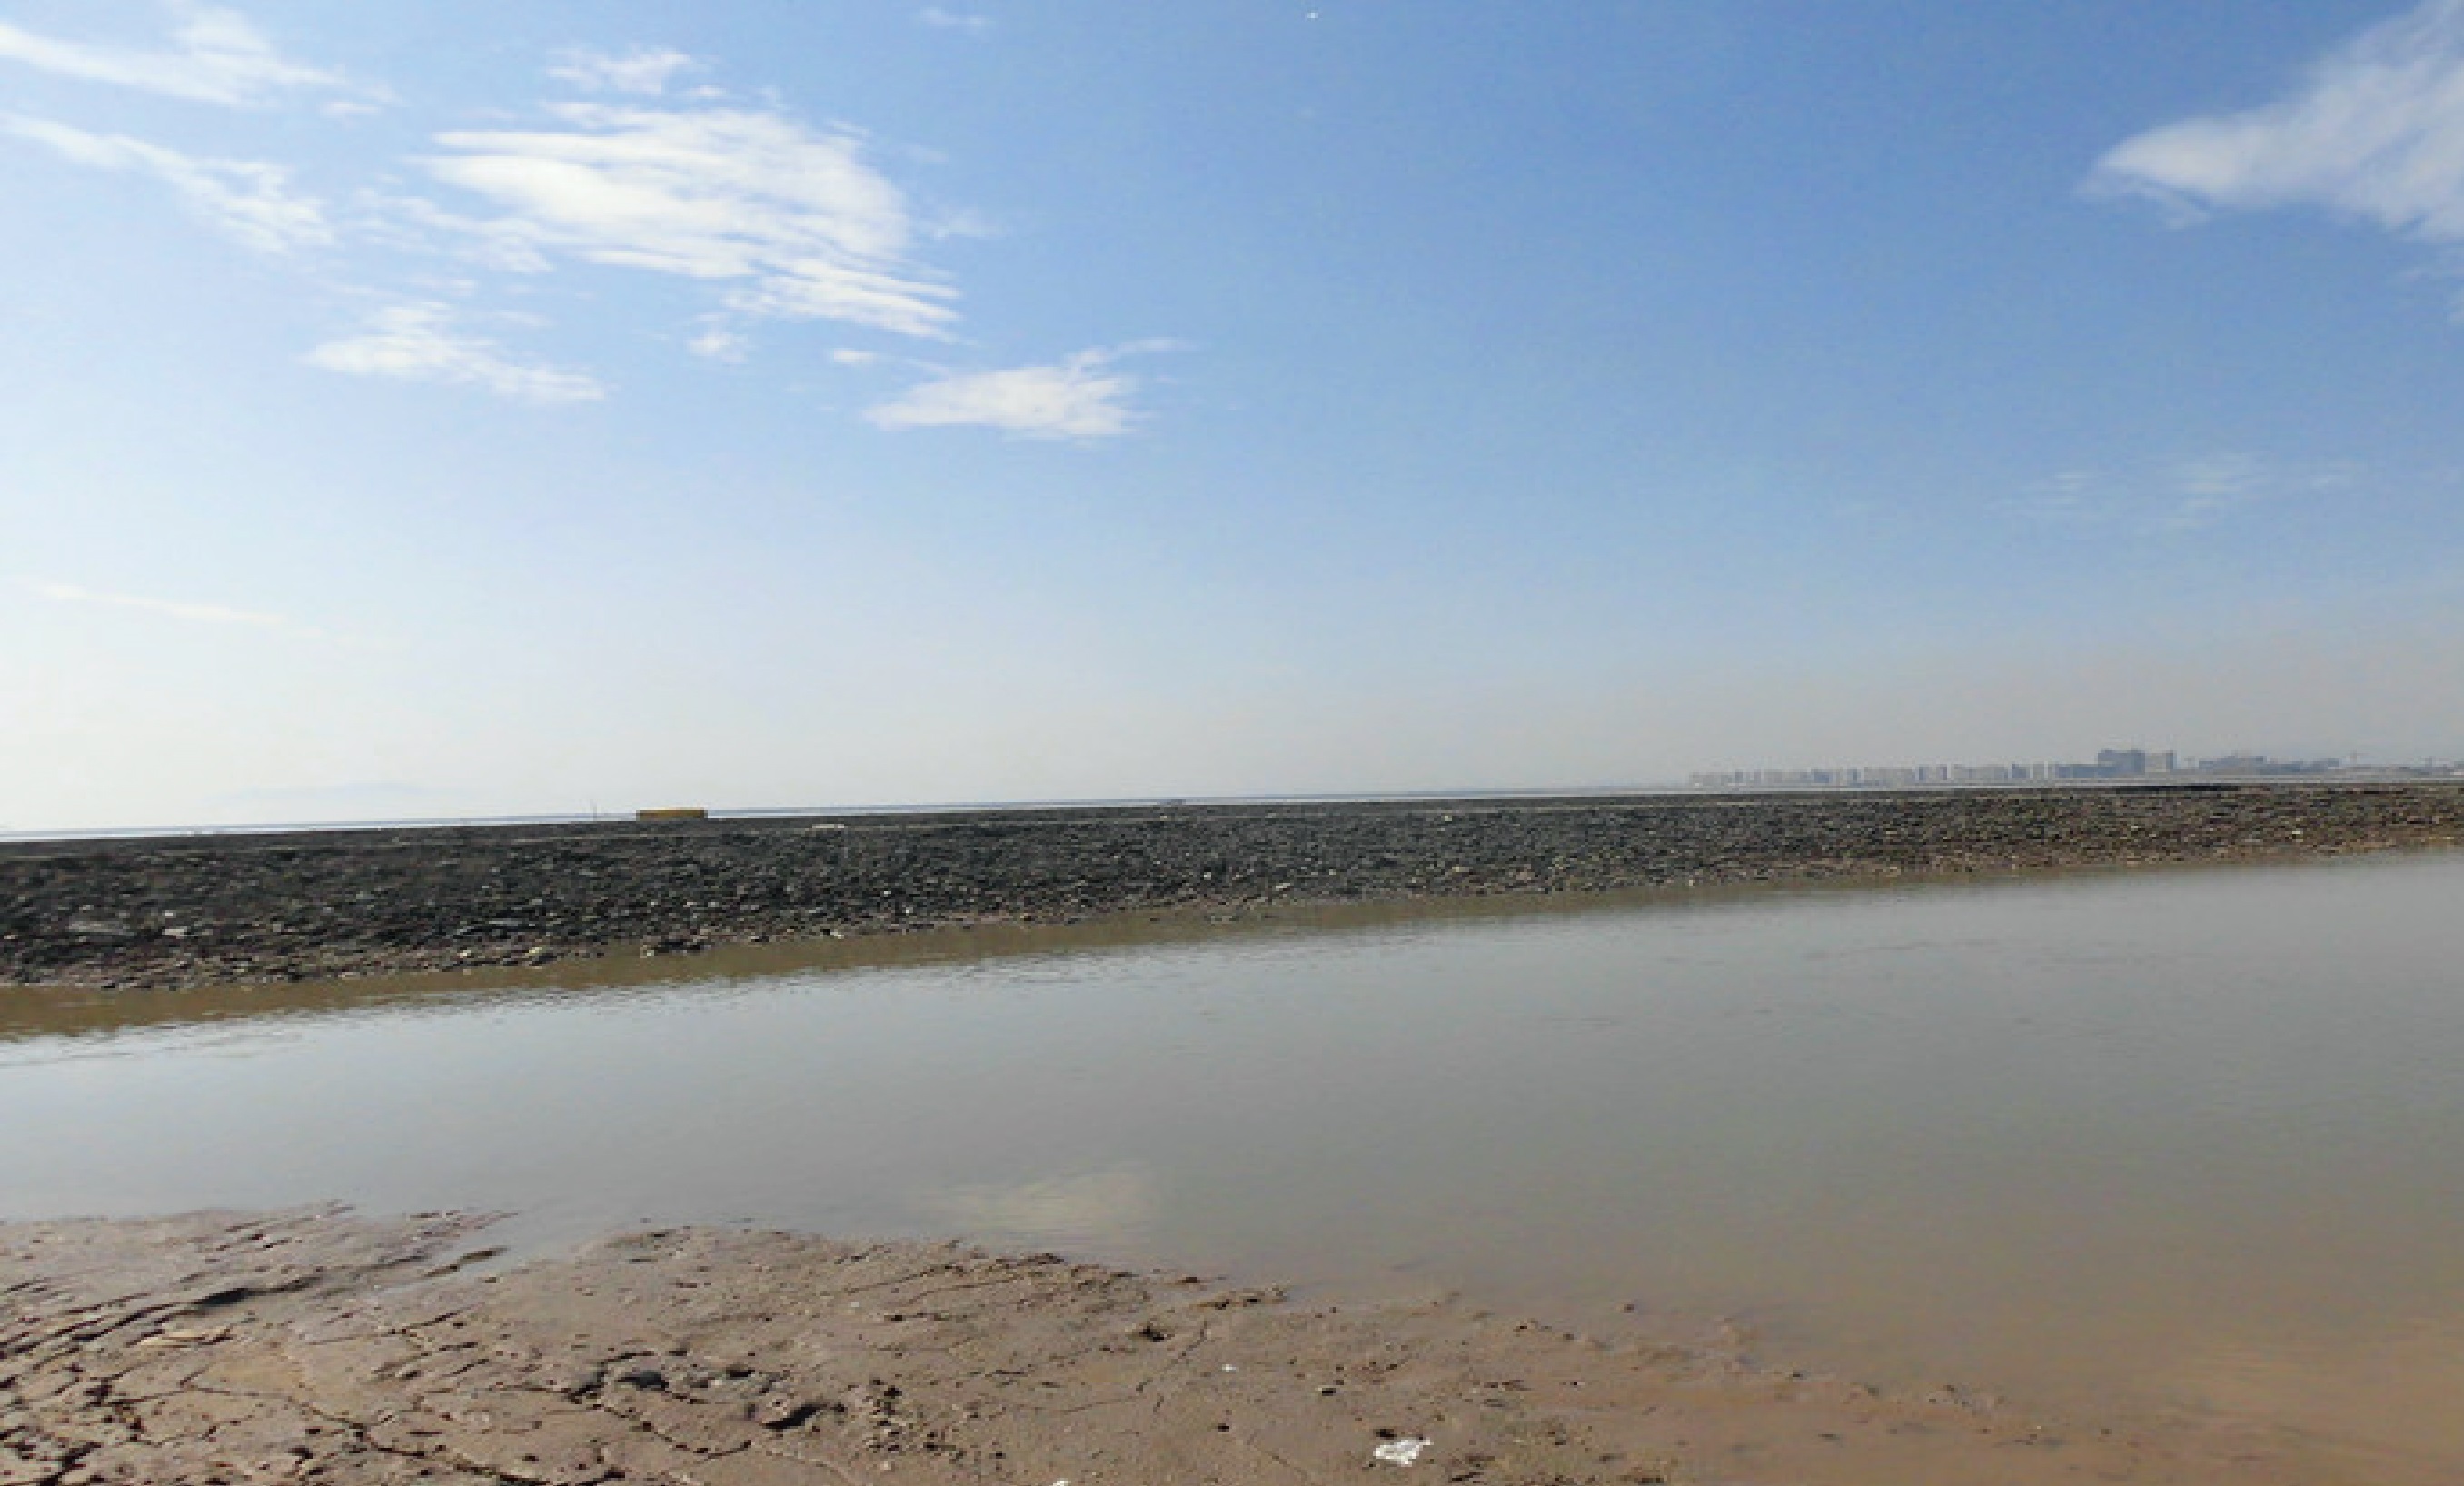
2176	779
164	911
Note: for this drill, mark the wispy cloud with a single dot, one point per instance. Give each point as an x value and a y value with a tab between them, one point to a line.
1080	398
776	219
167	608
214	56
249	200
794	223
2207	489
421	342
644	70
2374	131
416	225
940	19
2180	496
719	343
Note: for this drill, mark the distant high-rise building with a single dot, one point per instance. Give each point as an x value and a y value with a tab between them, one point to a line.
2112	763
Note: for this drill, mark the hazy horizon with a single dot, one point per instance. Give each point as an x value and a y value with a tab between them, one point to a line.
503	412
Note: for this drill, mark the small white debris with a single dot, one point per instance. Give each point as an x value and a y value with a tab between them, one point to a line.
1228	1367
1400	1451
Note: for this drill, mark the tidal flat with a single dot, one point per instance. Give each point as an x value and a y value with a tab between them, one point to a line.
314	1347
1903	1175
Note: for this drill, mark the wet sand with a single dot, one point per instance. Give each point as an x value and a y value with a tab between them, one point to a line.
316	1346
168	912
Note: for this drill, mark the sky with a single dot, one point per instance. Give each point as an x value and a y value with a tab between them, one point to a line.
444	409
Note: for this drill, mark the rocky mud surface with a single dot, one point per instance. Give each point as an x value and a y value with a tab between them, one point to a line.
315	1347
199	909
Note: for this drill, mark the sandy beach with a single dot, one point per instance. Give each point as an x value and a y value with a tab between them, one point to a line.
316	1346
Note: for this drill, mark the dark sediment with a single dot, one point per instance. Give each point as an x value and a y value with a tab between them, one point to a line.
187	910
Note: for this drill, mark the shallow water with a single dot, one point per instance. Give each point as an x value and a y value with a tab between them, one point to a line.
2115	1144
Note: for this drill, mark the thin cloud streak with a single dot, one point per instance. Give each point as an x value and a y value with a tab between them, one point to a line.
419	342
167	608
794	221
2375	132
216	56
2187	495
245	200
1080	398
940	19
644	70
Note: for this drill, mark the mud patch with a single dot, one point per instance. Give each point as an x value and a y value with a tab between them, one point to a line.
316	1346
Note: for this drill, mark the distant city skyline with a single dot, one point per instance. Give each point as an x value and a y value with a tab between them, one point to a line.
2112	763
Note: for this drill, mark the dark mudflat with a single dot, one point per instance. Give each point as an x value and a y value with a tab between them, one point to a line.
189	911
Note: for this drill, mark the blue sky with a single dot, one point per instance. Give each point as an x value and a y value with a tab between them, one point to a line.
446	409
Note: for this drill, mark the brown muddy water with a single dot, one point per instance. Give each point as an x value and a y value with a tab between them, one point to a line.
2125	1145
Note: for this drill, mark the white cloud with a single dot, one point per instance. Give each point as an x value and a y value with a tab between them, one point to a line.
2207	489
167	608
1080	398
216	56
939	19
960	222
719	343
419	342
2374	131
794	221
247	200
644	70
415	223
2183	495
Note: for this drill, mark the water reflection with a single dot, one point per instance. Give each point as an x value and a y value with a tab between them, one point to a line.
1112	1209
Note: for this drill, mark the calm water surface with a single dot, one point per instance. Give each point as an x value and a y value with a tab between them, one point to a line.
2186	1141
